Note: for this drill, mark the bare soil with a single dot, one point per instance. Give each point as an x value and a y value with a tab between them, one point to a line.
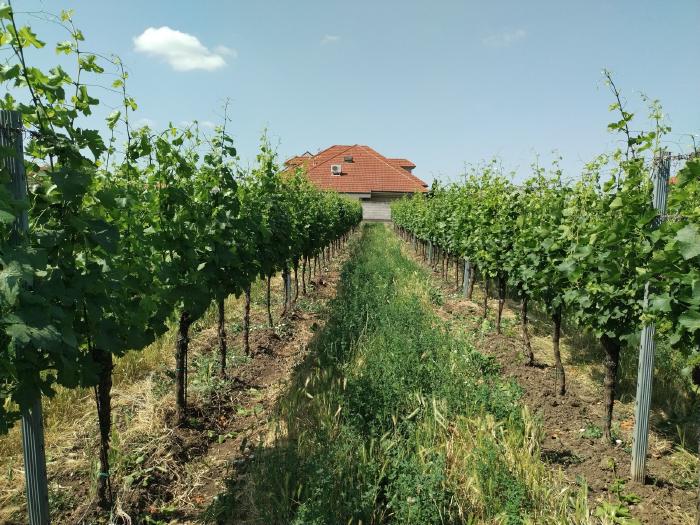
181	469
567	420
244	414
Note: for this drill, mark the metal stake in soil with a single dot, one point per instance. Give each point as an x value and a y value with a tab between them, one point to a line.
288	289
32	422
647	349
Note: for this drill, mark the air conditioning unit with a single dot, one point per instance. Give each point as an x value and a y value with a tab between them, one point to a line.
336	169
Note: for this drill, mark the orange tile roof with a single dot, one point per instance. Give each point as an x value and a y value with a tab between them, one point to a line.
298	159
367	172
404	163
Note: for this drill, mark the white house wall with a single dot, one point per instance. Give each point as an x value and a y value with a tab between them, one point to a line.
376	207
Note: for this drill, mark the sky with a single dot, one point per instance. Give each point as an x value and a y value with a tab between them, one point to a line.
444	83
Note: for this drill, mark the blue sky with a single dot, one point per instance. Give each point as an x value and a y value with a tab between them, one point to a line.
442	83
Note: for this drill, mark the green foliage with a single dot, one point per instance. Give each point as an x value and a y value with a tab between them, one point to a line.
371	420
588	248
592	432
607	228
615	514
618	513
504	494
676	260
117	244
539	248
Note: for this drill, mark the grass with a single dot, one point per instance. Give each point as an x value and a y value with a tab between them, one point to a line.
672	441
395	418
142	442
675	401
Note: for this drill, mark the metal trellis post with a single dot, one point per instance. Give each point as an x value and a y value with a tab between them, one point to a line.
647	348
32	421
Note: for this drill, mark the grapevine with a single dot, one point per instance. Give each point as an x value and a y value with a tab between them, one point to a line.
584	250
120	247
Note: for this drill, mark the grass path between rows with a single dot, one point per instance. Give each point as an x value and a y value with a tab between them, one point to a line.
571	425
393	418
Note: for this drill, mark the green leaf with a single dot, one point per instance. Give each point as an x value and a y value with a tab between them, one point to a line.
28	38
567	267
661	303
6	217
9	73
688	238
6	37
89	63
690	319
65	48
113	118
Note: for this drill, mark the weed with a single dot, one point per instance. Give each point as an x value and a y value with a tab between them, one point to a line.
618	512
685	468
396	419
60	499
615	514
436	296
502	492
591	432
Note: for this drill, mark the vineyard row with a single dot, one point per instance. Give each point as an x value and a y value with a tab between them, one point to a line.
101	250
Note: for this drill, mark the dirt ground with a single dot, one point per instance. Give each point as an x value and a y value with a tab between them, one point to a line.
179	476
570	422
248	408
173	474
258	388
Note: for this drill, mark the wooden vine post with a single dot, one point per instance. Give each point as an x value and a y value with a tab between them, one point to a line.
647	348
32	420
287	289
467	275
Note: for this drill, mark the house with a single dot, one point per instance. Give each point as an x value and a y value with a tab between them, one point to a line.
361	173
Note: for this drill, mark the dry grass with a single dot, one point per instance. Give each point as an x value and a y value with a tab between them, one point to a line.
142	404
673	437
551	500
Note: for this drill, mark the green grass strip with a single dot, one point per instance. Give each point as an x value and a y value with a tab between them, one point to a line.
395	420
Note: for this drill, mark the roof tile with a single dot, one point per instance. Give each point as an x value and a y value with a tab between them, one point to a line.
368	172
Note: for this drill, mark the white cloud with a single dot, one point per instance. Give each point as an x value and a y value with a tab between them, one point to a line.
182	51
504	38
329	39
226	51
